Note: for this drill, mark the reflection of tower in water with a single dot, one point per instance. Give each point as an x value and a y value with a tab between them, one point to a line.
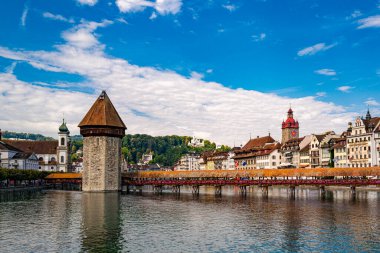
101	227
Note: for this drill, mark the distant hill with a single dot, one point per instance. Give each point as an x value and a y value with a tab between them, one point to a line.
167	150
25	136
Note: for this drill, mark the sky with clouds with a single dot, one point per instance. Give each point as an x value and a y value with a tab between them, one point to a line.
222	70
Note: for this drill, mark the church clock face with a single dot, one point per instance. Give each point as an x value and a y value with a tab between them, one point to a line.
293	133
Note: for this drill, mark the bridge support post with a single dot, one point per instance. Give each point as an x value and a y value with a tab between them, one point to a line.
157	189
322	190
218	190
353	189
292	191
264	190
176	189
195	190
243	190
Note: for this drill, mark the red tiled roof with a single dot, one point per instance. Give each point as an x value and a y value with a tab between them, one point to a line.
372	122
102	113
6	146
258	142
37	147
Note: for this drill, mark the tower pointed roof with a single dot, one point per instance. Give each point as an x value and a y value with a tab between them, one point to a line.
368	116
102	114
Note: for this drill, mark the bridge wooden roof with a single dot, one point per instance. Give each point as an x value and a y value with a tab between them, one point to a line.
102	113
315	172
64	176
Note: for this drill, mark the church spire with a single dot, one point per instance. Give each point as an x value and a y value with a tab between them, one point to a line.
368	116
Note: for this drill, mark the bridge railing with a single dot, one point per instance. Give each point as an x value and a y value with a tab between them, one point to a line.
262	173
265	182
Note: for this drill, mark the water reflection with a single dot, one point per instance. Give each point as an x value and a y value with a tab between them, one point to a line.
61	221
101	222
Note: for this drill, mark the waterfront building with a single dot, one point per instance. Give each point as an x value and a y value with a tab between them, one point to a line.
315	149
188	161
269	157
290	128
327	150
13	158
218	161
305	157
77	166
262	152
340	153
362	140
52	155
290	153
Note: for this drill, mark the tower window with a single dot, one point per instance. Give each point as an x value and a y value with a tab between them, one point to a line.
62	141
62	159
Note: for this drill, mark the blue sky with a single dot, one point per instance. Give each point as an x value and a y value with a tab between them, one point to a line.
317	55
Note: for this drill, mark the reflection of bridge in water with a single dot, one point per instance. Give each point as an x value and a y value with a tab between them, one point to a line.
319	177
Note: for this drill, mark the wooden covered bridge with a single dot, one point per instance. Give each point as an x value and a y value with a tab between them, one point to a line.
319	177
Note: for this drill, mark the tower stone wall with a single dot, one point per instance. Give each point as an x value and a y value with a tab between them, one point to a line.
102	130
102	163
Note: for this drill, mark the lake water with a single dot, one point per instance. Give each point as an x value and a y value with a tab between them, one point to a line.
58	221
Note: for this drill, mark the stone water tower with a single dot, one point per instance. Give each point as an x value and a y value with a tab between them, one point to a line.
102	129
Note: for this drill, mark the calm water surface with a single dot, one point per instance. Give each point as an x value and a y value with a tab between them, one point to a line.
58	221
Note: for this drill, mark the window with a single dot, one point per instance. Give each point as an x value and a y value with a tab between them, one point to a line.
62	141
62	159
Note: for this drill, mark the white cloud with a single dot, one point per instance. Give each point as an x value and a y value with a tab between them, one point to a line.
354	14
163	7
167	102
196	75
230	7
10	69
345	88
57	17
372	102
259	37
321	94
122	20
24	15
315	49
372	21
153	16
81	36
209	71
88	2
326	72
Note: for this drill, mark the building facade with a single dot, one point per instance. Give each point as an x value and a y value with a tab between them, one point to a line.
361	142
259	153
188	161
52	155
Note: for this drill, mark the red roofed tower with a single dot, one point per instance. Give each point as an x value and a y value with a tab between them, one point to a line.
290	127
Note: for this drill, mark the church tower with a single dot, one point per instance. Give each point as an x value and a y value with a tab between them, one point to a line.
290	128
102	129
63	151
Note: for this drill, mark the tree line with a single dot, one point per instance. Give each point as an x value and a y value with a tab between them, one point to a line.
21	175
